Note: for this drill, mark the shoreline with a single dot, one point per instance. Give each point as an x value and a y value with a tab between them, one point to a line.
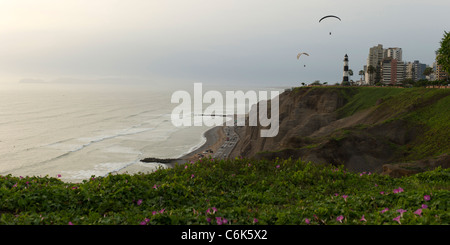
215	137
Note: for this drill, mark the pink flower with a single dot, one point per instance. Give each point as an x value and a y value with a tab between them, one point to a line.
362	218
59	176
145	221
139	202
426	197
418	212
340	218
384	210
307	221
70	223
255	220
208	219
161	211
214	209
382	192
219	220
345	197
397	219
192	176
424	206
278	166
401	211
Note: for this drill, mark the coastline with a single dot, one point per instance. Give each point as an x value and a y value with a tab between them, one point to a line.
215	137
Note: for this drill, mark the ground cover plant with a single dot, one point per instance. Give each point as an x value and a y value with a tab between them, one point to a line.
224	192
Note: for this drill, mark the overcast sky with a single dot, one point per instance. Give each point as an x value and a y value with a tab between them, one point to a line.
210	41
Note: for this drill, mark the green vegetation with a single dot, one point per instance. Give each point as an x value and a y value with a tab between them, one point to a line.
422	108
236	191
443	52
366	97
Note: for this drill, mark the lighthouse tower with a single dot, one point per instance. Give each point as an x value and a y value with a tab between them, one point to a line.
345	78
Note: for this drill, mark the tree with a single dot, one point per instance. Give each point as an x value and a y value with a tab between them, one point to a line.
443	53
361	73
317	82
350	73
303	84
371	71
428	71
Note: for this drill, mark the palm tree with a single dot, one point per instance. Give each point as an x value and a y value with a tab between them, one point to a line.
350	73
361	73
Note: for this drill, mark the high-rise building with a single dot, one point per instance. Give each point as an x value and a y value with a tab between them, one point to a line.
392	70
388	65
376	55
414	70
394	53
440	73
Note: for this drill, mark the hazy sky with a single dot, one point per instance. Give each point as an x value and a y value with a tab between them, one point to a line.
210	41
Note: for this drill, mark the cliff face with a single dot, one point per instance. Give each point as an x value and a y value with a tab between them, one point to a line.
360	128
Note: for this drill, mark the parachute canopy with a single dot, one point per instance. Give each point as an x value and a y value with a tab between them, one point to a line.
329	16
299	54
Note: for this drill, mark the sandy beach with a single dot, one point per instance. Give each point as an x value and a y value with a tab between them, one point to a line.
215	137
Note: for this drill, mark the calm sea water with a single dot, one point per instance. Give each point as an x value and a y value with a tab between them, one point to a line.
80	131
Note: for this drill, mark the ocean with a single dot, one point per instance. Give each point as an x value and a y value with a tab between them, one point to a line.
79	131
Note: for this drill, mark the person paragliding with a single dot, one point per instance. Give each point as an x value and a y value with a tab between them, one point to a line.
330	16
300	54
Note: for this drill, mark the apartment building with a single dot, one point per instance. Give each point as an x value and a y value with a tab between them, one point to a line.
393	71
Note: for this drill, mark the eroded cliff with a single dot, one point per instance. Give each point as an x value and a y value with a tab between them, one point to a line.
360	128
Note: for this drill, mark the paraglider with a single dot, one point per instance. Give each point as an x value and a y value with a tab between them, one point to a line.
300	54
330	16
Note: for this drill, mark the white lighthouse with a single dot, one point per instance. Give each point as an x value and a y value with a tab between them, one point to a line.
345	78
